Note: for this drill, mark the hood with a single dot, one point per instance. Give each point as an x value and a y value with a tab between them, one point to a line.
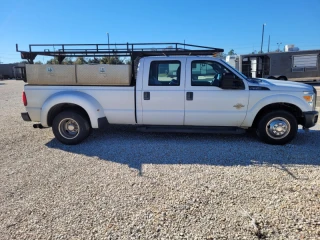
280	85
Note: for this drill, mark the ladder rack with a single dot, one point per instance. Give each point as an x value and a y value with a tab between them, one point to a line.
132	50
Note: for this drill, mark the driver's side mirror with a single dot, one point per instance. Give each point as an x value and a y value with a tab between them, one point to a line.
231	81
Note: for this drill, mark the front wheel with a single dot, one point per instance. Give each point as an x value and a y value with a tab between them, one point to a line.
278	127
70	127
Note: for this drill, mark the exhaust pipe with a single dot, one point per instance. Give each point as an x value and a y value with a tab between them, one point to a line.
38	125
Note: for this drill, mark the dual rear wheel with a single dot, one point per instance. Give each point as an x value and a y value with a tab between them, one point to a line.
71	127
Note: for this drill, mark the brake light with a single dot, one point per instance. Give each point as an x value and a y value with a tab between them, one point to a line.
24	98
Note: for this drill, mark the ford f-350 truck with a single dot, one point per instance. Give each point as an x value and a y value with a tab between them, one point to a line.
165	89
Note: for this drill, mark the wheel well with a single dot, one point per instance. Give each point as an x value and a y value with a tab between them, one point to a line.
55	110
293	109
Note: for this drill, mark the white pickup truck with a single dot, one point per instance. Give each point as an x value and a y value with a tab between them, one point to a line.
173	92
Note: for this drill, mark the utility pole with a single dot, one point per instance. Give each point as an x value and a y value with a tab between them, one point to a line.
262	36
279	46
108	47
269	43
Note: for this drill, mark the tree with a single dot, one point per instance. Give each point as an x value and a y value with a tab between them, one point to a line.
104	60
53	61
94	60
67	61
127	61
231	52
111	60
80	60
116	60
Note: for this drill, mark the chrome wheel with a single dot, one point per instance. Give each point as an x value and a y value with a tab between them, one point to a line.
278	128
69	128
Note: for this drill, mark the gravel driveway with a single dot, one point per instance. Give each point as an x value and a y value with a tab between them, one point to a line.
123	184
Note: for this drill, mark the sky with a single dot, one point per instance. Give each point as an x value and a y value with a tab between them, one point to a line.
229	24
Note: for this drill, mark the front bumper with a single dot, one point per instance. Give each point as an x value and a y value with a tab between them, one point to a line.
25	116
310	118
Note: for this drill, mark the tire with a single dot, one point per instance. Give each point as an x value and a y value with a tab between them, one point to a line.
71	127
284	126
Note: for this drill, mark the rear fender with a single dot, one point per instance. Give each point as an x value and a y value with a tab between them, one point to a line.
87	102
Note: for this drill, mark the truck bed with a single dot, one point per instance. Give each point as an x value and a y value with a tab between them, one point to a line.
118	103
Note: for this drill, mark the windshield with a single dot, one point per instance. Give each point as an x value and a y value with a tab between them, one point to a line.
241	74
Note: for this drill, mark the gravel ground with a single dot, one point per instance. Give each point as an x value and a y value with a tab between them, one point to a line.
122	184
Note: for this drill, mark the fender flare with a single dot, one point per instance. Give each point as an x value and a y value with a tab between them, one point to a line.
84	100
273	99
282	77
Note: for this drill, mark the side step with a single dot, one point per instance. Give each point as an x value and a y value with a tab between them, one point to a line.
192	129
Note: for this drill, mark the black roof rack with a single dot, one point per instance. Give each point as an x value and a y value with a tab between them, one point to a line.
131	50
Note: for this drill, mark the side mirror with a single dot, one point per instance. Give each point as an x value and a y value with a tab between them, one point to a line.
229	75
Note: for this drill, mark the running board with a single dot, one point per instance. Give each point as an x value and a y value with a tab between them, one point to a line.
192	129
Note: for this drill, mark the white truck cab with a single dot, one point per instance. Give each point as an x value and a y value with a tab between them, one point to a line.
166	90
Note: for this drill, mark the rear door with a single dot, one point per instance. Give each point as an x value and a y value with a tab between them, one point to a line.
163	91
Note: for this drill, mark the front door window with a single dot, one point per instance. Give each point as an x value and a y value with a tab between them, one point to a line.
209	73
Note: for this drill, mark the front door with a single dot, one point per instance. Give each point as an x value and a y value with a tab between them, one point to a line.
163	92
215	96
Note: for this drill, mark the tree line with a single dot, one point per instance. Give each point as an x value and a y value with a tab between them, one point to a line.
105	60
82	60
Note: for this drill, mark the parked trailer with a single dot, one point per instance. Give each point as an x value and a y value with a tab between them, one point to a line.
6	71
293	65
12	71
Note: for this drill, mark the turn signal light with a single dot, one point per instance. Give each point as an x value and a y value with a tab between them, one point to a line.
24	98
308	98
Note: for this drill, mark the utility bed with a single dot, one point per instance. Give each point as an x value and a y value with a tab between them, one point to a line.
99	74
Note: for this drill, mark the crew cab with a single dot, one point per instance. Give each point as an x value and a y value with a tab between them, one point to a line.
175	92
